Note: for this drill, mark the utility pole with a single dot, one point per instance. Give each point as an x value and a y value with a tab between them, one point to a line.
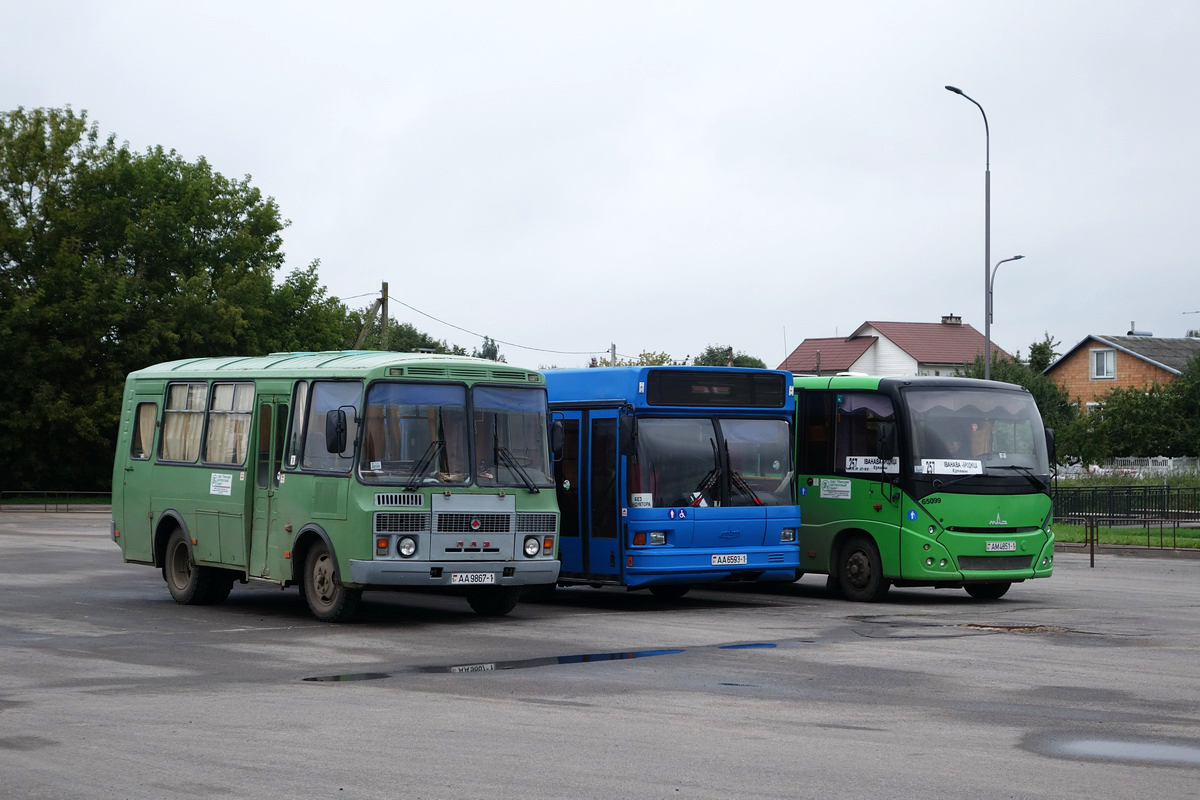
613	359
383	316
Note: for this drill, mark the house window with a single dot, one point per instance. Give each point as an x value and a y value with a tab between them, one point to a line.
1104	364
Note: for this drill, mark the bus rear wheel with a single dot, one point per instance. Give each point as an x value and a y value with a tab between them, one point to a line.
327	598
188	583
670	591
860	570
494	602
987	591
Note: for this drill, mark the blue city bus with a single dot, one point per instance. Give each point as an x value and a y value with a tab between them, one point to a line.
671	477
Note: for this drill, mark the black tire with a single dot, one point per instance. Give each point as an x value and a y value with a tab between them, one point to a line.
189	584
494	602
987	591
538	593
327	598
670	591
833	587
220	586
860	570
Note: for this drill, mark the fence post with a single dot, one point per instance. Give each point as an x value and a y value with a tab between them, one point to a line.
1092	533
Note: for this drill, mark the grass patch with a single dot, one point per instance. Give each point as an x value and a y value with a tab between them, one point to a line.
1153	535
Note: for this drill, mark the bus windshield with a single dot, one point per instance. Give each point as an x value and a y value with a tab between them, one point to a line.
415	434
975	432
510	437
711	462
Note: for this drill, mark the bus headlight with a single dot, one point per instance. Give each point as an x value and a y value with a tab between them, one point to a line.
533	546
787	535
658	537
406	547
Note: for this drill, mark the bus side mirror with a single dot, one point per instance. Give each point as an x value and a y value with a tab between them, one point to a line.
1051	447
556	439
335	431
627	436
886	445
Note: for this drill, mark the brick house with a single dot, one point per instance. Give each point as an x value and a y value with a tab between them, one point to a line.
892	348
1099	364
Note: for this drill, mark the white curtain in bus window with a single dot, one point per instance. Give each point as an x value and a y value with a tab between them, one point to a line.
183	421
143	431
229	423
857	430
329	396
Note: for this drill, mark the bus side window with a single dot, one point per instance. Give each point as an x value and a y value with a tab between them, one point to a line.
141	442
816	428
296	436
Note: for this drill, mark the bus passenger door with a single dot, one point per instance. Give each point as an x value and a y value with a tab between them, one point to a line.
602	517
271	430
568	486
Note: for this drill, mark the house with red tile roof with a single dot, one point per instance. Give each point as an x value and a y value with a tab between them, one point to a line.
892	348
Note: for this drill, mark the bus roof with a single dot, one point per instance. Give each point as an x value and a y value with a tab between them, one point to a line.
881	383
634	385
342	364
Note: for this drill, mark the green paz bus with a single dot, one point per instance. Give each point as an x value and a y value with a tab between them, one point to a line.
337	472
922	481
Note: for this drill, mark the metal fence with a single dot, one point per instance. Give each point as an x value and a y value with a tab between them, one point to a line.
54	501
1115	505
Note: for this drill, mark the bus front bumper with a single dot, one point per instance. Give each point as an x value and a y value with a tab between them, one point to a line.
452	573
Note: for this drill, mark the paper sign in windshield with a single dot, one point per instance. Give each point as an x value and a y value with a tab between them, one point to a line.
951	466
871	464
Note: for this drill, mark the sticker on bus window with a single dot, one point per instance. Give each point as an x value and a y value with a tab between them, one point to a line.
871	464
951	466
835	488
642	500
221	483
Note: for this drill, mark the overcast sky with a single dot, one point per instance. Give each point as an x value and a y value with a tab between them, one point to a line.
665	176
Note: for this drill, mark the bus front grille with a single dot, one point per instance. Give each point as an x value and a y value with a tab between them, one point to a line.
536	522
988	563
458	522
392	522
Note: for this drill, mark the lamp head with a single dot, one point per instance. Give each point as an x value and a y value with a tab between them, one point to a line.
954	89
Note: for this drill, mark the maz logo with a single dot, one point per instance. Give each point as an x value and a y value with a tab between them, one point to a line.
731	535
997	520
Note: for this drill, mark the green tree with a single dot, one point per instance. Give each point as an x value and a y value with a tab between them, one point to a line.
111	260
490	350
648	358
717	356
1042	354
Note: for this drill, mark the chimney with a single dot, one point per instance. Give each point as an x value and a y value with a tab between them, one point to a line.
1133	331
951	319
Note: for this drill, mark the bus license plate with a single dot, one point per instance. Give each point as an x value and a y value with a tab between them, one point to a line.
1001	547
727	559
472	577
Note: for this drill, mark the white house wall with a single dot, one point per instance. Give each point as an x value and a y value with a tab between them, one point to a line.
884	357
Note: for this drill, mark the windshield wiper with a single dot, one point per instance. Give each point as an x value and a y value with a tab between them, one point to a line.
737	480
424	462
503	455
1028	473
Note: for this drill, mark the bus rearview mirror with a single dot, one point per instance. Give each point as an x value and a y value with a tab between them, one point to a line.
627	436
886	446
335	430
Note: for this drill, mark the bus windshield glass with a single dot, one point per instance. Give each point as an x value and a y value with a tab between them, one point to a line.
708	462
510	437
975	432
415	435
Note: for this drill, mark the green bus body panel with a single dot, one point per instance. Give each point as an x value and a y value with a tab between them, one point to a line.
253	531
964	523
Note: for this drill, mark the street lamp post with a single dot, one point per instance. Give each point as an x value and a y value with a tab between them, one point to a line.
987	230
987	321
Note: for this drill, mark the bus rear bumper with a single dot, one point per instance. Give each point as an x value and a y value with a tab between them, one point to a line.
440	573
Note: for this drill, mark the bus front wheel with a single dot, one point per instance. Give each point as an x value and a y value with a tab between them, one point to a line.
188	583
327	598
860	570
987	591
494	602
